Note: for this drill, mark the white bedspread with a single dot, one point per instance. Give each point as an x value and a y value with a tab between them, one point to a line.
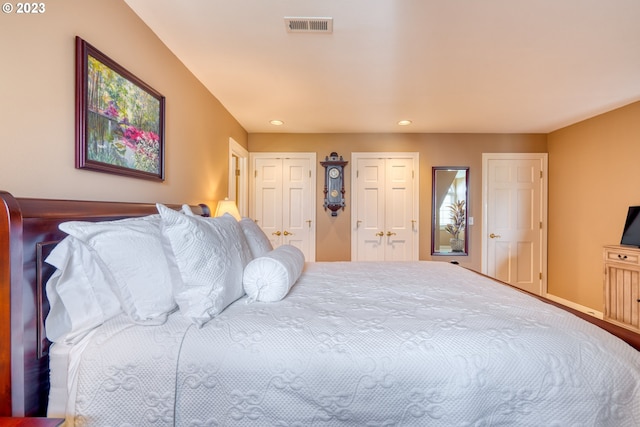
365	344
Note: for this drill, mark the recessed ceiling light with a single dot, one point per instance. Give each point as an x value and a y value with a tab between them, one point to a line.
404	122
276	122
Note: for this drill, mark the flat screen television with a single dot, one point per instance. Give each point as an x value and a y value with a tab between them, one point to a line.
631	233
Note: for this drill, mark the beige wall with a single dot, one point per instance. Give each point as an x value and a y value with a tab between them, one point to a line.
37	145
594	176
333	233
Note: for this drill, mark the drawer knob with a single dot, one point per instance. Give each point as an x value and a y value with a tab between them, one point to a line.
622	256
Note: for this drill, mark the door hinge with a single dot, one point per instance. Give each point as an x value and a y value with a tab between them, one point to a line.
255	173
541	275
540	225
541	174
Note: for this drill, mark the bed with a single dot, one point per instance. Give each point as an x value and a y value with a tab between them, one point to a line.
425	343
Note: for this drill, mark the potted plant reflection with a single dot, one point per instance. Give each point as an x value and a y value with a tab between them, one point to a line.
456	226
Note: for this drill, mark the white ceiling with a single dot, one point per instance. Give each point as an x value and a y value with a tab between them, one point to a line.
448	65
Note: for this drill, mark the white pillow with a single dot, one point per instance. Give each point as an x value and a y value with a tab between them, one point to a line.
79	293
131	250
211	254
258	241
269	278
186	209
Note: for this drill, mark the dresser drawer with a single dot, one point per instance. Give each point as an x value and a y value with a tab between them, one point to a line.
621	254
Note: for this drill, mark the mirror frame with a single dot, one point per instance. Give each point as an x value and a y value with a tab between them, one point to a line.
435	209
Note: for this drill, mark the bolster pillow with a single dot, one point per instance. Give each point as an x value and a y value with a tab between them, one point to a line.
268	278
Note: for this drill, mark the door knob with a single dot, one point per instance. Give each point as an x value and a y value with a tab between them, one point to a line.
277	233
494	236
380	234
389	234
286	233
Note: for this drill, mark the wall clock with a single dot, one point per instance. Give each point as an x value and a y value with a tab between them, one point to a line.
334	183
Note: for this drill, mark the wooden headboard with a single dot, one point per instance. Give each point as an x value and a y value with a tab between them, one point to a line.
28	232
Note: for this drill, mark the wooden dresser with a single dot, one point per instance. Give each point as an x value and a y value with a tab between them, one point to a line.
622	286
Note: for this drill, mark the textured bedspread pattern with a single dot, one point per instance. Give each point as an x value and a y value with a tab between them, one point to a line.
364	344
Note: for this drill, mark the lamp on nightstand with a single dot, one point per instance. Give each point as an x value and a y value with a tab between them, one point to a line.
228	206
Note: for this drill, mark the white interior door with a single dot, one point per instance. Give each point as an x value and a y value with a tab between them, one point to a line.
399	218
385	200
370	208
296	212
283	198
514	225
267	195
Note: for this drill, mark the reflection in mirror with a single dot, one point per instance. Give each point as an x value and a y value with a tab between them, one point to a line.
449	220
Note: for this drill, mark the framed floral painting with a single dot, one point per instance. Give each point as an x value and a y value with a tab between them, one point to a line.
119	118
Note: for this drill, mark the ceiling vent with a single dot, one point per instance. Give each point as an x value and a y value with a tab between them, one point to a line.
309	25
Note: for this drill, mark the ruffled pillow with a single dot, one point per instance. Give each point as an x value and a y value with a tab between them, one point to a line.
270	277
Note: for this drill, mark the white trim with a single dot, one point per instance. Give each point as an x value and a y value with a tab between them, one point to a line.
581	308
543	158
243	183
415	156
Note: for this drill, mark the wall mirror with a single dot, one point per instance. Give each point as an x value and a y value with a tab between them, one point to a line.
449	211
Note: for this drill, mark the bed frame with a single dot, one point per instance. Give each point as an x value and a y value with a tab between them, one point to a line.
28	232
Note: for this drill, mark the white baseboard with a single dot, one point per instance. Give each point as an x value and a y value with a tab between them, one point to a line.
588	310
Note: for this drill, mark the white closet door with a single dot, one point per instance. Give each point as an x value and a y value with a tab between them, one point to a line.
371	210
283	198
268	206
385	210
399	220
296	222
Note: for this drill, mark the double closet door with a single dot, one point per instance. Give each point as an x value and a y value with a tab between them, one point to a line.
385	207
283	198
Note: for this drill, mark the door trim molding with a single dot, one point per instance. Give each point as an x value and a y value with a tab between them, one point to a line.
544	183
243	182
415	156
